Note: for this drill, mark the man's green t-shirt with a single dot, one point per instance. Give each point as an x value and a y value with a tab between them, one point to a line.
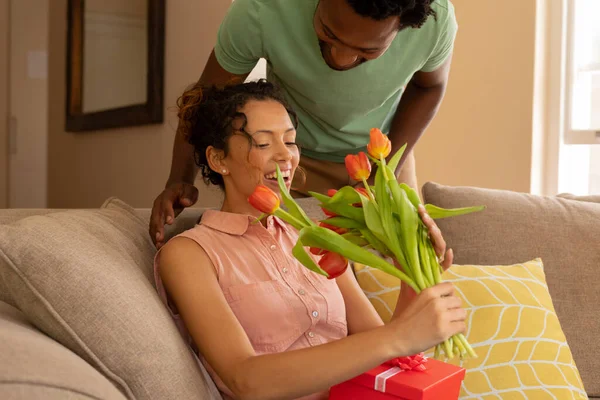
336	109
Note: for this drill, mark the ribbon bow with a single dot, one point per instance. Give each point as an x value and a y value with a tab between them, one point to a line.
410	363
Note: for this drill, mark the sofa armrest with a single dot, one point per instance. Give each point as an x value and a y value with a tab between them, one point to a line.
36	367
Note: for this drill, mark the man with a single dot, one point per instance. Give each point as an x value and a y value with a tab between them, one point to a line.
345	66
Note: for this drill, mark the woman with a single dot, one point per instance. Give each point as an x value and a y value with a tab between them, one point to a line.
266	327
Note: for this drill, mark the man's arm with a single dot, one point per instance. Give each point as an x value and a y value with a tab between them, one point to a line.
183	167
180	191
419	104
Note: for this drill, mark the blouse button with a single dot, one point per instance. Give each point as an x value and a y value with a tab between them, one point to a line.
285	270
273	247
311	334
301	292
315	314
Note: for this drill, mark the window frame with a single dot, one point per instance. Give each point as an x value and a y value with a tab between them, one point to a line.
570	135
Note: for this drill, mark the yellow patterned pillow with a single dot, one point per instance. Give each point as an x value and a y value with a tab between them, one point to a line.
523	353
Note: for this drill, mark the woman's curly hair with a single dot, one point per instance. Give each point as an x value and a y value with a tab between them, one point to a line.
206	114
412	13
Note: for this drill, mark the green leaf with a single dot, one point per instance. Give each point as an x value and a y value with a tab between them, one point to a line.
385	213
321	197
322	238
305	259
343	222
289	218
413	196
376	243
438	213
410	223
371	216
346	195
376	229
356	239
293	207
346	210
393	164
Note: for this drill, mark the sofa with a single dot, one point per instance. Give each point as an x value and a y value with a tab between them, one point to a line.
80	318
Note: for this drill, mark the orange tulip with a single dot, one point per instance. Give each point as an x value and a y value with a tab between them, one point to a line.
264	200
358	166
334	264
379	146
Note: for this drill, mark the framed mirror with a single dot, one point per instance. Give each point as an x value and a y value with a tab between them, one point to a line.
115	63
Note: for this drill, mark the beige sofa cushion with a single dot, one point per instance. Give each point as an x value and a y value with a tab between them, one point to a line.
565	233
84	277
36	367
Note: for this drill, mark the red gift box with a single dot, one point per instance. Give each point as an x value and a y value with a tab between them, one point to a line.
440	381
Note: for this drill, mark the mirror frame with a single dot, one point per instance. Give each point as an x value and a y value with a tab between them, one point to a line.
150	112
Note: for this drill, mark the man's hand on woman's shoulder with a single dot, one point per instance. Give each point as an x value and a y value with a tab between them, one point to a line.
167	206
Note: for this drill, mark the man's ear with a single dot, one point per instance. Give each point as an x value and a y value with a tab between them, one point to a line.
216	160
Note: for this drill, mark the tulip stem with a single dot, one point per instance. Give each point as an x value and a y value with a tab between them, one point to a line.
289	218
259	218
383	165
368	188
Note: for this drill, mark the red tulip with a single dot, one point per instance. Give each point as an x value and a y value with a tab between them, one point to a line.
264	200
328	213
334	264
336	229
379	145
317	252
358	166
362	191
330	193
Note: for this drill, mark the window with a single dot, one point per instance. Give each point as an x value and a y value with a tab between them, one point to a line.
578	133
582	115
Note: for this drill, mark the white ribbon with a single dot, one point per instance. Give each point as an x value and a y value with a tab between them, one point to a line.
381	379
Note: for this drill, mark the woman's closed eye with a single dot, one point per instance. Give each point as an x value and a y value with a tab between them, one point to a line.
265	145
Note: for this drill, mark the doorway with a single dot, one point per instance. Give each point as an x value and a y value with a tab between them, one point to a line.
23	103
4	68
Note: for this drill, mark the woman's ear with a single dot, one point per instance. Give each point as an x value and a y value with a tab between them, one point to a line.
216	160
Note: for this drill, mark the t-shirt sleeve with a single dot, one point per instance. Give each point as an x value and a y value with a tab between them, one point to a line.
445	41
239	40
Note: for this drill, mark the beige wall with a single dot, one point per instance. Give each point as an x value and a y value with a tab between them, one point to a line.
131	163
4	12
482	135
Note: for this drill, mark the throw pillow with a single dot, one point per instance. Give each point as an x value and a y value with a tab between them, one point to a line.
84	278
512	326
564	232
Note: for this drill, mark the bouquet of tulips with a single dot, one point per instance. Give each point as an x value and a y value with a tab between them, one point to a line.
382	217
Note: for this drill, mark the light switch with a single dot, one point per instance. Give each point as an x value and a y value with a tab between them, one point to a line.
37	64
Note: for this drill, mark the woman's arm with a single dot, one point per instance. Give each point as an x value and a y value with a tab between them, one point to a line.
190	279
360	313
